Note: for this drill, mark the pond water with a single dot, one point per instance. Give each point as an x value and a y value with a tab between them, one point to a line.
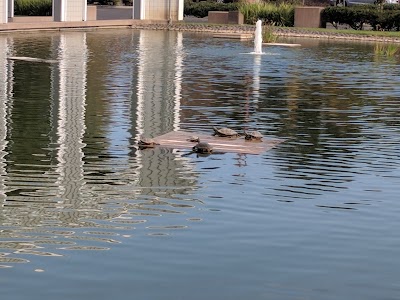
85	215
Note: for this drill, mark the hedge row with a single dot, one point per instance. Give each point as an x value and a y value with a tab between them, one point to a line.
386	18
201	9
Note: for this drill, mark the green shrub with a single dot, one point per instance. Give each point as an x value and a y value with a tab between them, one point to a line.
33	7
386	17
268	35
281	14
201	9
354	17
387	49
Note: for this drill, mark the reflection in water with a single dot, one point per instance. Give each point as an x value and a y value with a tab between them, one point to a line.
179	56
71	117
102	190
158	110
159	82
72	179
256	78
5	68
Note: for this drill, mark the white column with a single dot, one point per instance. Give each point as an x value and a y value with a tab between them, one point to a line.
11	8
180	10
69	10
3	11
139	10
59	10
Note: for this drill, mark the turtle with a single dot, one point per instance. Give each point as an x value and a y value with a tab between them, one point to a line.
253	135
194	139
225	132
203	148
147	142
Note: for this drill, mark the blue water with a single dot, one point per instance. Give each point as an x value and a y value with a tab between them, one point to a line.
85	214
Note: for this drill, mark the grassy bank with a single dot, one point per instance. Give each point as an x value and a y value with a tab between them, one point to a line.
365	33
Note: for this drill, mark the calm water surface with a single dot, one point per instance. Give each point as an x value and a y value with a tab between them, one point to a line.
85	215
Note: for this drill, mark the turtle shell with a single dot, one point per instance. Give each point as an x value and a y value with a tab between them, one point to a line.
225	132
253	135
147	142
194	139
202	147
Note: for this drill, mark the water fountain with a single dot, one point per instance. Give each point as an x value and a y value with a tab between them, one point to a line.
258	38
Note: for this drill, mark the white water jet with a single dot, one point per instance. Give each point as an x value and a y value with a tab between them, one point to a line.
258	38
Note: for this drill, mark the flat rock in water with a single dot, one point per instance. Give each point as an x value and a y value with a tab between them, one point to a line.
33	59
179	140
282	44
240	36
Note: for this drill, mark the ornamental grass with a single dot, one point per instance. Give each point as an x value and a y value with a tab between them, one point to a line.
33	7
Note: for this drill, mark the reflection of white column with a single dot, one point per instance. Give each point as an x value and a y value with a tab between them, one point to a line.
159	85
178	80
71	113
158	88
140	87
256	78
5	71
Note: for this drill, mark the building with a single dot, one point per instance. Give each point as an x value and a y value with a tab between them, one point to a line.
77	10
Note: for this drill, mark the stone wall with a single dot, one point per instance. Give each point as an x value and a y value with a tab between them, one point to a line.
309	17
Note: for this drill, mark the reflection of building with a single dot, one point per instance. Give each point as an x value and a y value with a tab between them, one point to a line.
71	91
5	71
58	172
159	79
66	175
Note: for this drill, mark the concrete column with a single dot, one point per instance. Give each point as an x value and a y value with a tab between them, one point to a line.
158	10
3	11
138	10
69	10
11	8
175	10
180	10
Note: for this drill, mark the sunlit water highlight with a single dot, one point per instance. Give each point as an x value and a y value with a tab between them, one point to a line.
86	215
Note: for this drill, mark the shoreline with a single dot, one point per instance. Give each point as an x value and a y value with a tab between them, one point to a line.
192	26
279	31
